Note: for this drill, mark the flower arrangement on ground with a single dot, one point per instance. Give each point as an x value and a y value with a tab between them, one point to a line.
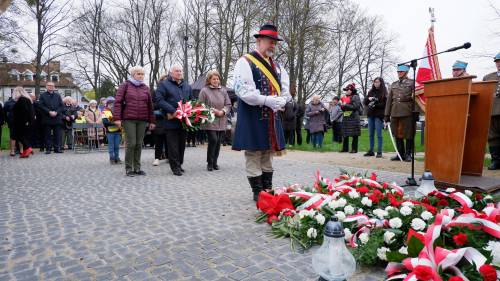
448	235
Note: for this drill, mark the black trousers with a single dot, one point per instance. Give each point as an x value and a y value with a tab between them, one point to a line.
308	136
290	137
176	145
160	145
214	142
191	138
53	137
337	131
345	145
298	133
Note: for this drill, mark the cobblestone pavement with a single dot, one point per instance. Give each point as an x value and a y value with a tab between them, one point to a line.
75	217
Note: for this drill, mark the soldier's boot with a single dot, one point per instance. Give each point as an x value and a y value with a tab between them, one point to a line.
400	146
409	150
267	180
256	185
495	158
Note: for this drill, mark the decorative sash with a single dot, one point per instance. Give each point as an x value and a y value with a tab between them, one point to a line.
267	70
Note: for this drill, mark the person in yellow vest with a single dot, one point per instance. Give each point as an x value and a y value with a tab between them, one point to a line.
494	133
113	132
459	69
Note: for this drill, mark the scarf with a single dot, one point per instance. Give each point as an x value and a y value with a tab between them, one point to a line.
135	82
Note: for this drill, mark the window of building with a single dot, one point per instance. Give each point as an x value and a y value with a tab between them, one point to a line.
67	93
54	78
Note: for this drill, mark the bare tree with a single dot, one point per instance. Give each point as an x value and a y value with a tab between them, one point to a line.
51	18
8	29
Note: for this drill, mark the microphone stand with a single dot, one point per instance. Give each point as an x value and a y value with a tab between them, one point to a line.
415	114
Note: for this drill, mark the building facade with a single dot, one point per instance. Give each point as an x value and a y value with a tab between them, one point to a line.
23	74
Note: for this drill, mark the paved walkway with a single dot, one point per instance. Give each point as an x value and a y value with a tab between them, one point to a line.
74	217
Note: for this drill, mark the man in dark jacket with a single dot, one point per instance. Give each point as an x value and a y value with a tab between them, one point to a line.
52	107
170	91
9	119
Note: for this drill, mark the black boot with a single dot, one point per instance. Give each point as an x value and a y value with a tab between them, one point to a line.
495	158
267	180
400	146
256	184
409	150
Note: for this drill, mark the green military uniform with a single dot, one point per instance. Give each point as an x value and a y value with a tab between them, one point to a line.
399	108
494	133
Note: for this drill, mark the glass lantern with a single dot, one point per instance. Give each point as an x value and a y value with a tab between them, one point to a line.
333	261
426	185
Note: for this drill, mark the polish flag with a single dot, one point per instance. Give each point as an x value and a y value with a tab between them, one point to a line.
428	69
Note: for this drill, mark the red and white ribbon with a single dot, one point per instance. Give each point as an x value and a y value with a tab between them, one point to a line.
463	199
184	112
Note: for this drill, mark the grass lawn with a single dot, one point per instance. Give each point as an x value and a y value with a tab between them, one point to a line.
363	145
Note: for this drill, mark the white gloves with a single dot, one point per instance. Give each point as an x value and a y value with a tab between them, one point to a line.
274	102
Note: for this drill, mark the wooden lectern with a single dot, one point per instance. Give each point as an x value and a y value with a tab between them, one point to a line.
456	132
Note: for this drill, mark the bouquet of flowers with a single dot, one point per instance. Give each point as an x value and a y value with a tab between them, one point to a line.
445	236
193	114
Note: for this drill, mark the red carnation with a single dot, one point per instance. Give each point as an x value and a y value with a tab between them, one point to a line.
488	272
385	185
272	218
374	198
425	200
393	200
430	208
373	177
288	213
442	202
460	239
456	278
423	273
362	189
440	195
345	191
479	196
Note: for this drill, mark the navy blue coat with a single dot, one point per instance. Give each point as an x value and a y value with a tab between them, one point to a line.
167	95
51	102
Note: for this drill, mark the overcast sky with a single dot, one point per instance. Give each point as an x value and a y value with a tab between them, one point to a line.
458	21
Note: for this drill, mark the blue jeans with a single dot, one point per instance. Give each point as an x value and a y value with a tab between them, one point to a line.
375	124
114	140
317	139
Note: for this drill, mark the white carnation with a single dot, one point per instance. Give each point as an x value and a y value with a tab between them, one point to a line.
363	237
312	233
388	208
349	210
405	211
360	211
408	204
450	190
395	223
403	250
307	213
418	224
487	197
388	237
340	215
333	204
380	213
336	194
348	234
469	193
494	248
366	201
320	219
353	194
426	215
381	253
342	202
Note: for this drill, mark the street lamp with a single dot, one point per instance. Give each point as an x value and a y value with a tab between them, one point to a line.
333	261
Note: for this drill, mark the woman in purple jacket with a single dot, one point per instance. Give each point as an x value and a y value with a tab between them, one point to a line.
133	111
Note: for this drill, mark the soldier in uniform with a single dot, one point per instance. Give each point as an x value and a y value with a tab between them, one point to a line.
459	69
261	85
494	133
398	111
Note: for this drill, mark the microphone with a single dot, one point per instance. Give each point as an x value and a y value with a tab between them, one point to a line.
464	46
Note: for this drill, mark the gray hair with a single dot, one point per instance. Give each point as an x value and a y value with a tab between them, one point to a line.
178	66
135	69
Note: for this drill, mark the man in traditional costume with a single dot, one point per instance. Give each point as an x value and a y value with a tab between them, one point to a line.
494	133
262	87
398	110
459	69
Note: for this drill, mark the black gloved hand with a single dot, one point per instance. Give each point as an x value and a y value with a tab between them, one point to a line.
387	119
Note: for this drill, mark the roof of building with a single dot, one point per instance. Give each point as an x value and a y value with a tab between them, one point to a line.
65	79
